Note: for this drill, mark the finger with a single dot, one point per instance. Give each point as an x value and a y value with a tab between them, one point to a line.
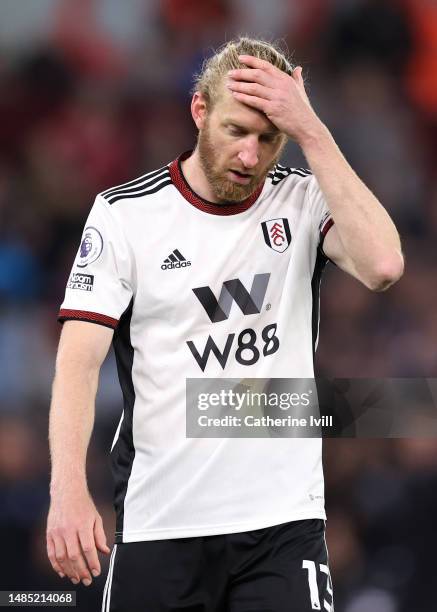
253	75
89	551
297	76
257	103
62	557
52	557
76	558
298	79
253	89
301	86
100	537
255	62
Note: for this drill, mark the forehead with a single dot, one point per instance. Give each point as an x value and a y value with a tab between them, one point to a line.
229	110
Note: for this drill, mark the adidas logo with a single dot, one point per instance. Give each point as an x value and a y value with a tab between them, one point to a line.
175	260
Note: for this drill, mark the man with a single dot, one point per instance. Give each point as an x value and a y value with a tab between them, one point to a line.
210	267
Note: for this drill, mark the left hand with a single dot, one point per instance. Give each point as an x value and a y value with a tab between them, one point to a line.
282	98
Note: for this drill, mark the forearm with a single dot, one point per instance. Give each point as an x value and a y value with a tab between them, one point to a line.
368	244
70	424
367	232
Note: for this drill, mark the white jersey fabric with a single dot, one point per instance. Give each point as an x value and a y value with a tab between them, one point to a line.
152	264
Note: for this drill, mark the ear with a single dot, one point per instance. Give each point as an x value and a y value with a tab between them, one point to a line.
198	109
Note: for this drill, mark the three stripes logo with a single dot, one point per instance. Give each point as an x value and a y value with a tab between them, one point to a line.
149	183
280	172
175	260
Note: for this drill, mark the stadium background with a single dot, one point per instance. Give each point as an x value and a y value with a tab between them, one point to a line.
94	92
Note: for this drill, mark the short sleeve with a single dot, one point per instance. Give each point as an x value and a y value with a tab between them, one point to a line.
321	218
99	288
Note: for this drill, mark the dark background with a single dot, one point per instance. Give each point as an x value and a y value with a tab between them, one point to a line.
95	92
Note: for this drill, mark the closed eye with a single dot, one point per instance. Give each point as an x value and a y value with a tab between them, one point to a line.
268	137
235	131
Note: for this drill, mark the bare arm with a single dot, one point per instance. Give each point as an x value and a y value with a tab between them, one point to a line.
364	240
74	527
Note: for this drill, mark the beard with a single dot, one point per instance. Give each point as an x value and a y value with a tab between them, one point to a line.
224	189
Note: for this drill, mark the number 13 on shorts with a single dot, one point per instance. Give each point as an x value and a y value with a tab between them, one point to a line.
311	568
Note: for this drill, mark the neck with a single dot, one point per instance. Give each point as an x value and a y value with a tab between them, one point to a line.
195	177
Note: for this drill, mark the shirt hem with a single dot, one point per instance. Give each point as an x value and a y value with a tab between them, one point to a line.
205	530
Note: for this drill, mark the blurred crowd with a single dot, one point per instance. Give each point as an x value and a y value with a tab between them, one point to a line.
96	92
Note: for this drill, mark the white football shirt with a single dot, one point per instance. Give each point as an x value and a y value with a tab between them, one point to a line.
179	279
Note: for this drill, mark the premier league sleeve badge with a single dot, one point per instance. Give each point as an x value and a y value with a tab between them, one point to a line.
91	247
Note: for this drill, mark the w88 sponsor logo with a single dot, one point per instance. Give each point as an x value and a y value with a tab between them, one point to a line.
249	345
247	352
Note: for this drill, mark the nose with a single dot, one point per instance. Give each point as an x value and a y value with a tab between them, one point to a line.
249	153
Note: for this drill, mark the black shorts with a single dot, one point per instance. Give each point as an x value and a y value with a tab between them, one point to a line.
276	569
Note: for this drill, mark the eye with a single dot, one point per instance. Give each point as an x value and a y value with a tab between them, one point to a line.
234	131
269	138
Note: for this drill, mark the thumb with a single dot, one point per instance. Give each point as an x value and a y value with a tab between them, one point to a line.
100	537
297	74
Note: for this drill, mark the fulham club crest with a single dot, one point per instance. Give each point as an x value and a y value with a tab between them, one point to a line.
277	234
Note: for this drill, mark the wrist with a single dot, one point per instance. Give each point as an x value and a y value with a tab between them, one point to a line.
314	137
71	485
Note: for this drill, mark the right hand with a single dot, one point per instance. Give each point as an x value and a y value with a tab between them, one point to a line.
74	534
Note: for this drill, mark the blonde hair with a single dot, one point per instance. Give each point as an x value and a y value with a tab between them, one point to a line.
213	70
